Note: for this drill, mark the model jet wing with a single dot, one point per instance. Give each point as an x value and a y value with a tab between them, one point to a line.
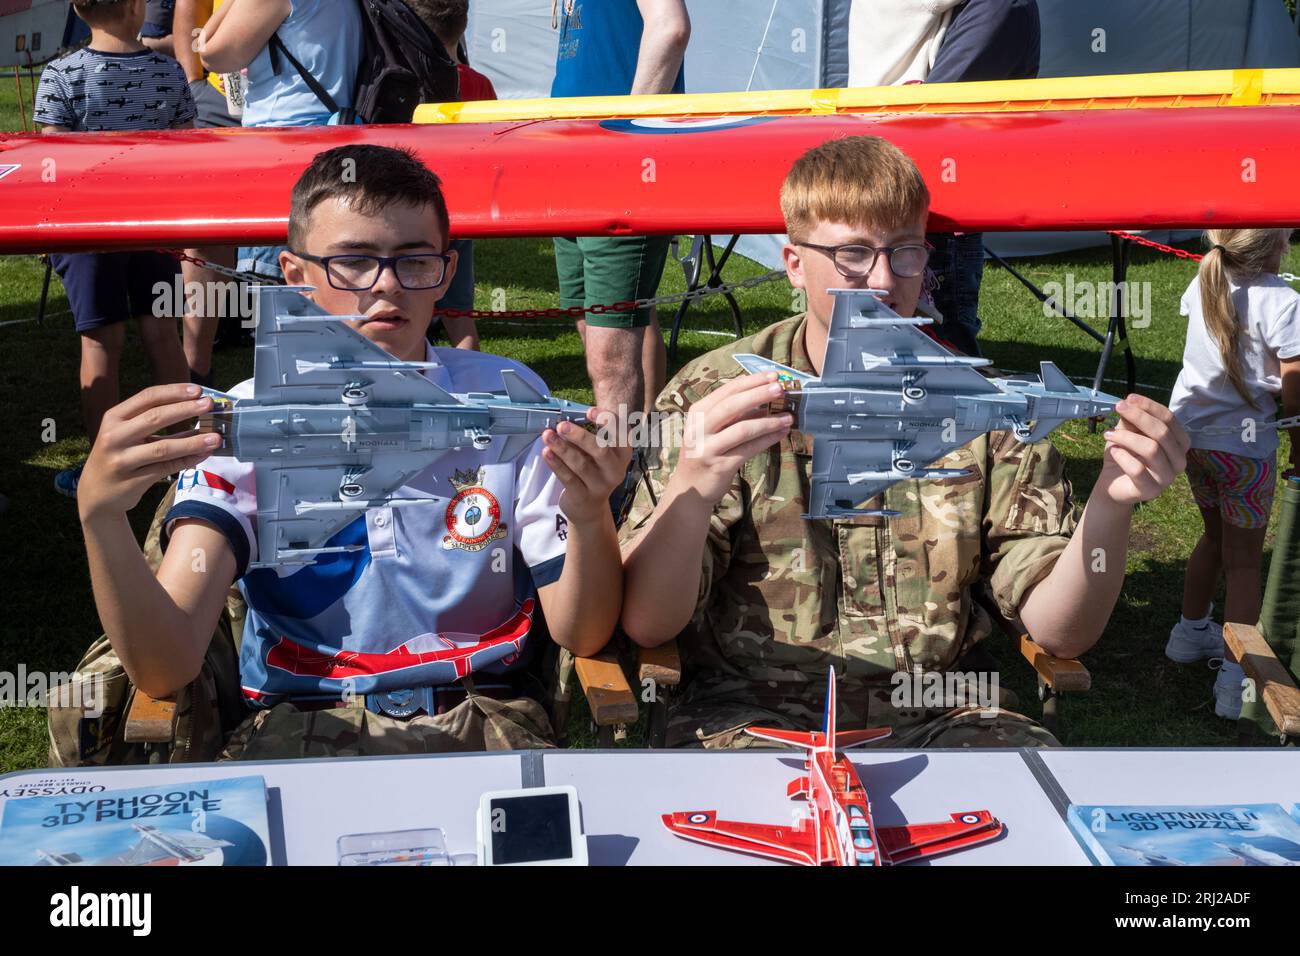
336	426
839	486
878	348
784	843
302	354
914	841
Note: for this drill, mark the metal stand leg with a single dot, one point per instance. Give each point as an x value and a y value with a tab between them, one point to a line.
692	268
1115	330
45	290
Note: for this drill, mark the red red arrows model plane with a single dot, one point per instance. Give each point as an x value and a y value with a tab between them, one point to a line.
838	830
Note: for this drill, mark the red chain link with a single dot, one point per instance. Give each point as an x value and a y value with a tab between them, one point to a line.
1152	244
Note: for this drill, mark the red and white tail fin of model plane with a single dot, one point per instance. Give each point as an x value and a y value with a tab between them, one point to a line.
818	740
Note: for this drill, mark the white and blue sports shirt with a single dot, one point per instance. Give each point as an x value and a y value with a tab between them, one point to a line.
438	591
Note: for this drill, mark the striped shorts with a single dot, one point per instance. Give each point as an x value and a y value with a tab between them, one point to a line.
1239	488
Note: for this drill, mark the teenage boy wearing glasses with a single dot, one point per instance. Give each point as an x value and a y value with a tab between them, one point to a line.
365	651
765	601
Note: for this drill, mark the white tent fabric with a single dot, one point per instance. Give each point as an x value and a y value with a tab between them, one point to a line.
801	44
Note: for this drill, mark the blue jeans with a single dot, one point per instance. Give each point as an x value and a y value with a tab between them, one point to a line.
958	262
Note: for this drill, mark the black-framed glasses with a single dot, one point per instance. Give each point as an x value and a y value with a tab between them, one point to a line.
355	272
855	261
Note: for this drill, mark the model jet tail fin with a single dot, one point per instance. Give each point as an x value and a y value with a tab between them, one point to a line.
1054	379
519	390
754	364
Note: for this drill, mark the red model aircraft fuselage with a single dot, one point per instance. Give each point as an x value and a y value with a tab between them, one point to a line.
838	829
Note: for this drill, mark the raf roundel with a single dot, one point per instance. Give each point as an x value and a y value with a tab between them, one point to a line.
970	818
698	818
659	124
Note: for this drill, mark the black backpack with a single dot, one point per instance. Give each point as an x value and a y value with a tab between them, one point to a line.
402	65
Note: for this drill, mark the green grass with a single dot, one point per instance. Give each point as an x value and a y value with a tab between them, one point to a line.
1138	697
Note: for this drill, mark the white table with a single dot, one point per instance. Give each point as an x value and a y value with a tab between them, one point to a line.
623	793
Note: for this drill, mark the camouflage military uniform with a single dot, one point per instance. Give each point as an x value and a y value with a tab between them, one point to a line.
478	723
782	599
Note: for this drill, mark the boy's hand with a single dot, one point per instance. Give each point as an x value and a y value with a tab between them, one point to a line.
129	454
1144	453
727	428
589	469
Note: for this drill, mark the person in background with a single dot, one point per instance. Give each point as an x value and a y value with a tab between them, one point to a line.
114	83
895	41
610	48
324	36
984	40
156	33
200	329
448	19
1242	353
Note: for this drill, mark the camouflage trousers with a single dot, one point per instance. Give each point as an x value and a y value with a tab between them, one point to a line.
715	717
206	710
213	722
477	723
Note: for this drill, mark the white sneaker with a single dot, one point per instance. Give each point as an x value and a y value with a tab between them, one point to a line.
1187	645
1227	690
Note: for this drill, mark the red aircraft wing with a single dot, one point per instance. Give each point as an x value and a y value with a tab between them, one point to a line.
986	171
776	843
914	841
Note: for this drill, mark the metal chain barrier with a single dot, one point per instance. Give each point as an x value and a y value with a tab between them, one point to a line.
252	277
576	311
1180	253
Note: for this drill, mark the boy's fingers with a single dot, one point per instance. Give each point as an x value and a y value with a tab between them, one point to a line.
574	458
578	437
1155	464
1133	468
767	430
734	407
148	457
156	395
1153	419
155	419
562	471
751	448
1147	450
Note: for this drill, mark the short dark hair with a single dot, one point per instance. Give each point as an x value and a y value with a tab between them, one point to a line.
101	13
369	178
446	18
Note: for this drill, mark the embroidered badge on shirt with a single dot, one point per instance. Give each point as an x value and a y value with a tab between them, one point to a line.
473	515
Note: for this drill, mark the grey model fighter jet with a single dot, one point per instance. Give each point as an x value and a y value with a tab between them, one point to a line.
891	400
336	425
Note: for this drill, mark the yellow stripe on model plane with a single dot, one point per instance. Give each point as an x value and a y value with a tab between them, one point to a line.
1178	90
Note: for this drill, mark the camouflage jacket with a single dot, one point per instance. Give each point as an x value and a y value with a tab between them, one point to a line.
780	598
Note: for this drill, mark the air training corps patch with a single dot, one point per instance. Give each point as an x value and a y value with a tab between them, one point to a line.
473	515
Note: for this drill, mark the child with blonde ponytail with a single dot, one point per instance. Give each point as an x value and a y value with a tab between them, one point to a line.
1242	353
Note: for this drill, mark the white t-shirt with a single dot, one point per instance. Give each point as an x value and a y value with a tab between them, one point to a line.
894	41
1204	397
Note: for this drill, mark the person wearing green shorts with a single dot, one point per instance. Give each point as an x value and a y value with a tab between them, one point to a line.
625	364
613	48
